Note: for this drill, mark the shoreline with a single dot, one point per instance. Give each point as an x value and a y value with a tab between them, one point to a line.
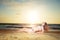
13	31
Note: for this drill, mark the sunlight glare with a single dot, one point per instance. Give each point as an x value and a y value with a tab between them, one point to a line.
32	16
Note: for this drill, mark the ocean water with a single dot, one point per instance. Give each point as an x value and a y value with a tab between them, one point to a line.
7	26
54	26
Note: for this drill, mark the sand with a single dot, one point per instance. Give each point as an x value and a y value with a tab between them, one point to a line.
29	36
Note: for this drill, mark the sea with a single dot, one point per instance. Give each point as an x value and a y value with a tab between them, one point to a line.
14	26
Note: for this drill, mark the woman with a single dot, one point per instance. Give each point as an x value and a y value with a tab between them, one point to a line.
45	26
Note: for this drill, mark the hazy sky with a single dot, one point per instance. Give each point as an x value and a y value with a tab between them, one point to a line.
16	11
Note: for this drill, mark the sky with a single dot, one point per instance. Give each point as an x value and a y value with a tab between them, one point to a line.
30	11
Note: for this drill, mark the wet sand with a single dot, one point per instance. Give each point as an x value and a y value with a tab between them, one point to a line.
16	35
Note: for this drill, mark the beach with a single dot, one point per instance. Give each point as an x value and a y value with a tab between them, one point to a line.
15	35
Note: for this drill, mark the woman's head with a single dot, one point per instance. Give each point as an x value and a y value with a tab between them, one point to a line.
44	23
